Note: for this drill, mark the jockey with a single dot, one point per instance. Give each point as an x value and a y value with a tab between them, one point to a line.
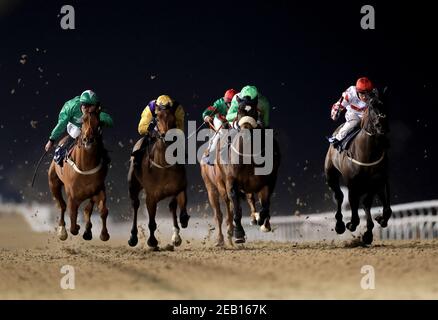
148	123
250	95
355	101
70	120
215	115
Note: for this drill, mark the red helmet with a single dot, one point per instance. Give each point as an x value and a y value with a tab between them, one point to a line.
364	85
229	94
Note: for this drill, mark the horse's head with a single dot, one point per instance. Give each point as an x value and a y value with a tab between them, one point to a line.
375	120
90	132
166	118
247	113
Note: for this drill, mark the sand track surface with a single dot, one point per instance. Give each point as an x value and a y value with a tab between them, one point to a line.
30	265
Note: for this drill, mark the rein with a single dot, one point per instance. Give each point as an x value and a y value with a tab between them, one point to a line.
367	164
152	162
73	164
234	148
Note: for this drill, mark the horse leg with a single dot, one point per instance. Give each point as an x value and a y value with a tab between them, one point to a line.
213	197
230	226
103	209
55	185
152	210
87	214
73	209
182	203
251	203
233	194
332	177
263	221
367	238
134	190
354	199
176	239
387	212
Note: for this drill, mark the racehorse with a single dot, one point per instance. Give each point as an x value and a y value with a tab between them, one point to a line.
83	177
215	184
364	170
240	177
159	180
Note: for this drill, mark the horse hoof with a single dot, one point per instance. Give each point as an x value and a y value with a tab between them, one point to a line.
184	220
104	236
133	241
254	222
261	221
176	241
152	242
239	240
382	221
75	231
219	243
340	227
87	235
265	229
239	233
350	226
367	237
62	234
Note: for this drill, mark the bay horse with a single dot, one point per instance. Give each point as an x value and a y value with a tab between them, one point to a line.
363	169
240	177
159	180
83	178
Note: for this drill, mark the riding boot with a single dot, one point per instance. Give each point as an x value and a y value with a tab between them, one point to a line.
139	153
61	151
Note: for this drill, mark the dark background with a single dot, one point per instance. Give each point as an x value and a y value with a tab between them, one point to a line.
301	56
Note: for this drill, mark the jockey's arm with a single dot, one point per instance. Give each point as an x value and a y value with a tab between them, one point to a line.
63	119
106	120
340	106
146	118
232	112
218	108
264	110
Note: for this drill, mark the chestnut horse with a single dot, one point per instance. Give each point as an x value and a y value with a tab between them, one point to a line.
364	170
83	177
159	181
216	189
240	177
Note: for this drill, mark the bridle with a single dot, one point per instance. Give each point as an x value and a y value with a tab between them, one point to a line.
79	142
161	136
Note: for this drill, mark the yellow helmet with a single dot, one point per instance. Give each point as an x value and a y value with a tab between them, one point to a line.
164	101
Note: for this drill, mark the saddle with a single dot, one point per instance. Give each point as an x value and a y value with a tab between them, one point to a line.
346	142
63	150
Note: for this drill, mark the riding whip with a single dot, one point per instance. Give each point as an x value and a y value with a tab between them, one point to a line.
37	166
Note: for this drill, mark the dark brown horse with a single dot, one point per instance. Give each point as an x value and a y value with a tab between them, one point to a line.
363	169
240	177
83	177
159	180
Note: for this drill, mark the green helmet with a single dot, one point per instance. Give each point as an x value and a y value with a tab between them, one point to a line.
89	97
249	91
